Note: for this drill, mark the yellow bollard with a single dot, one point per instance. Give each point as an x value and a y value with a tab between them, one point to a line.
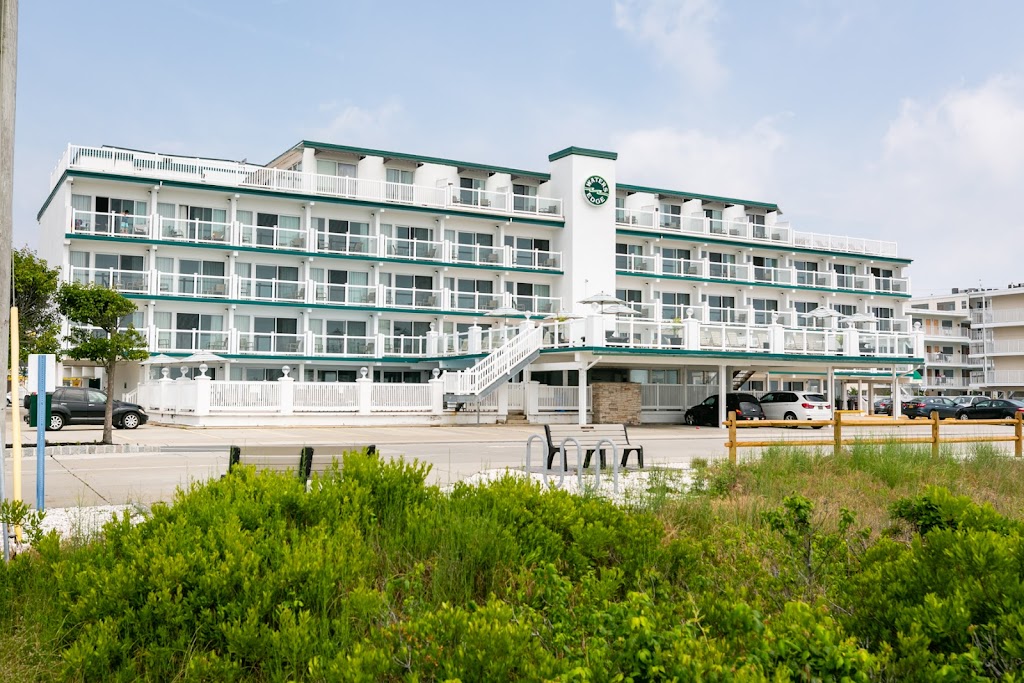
1018	431
732	437
935	434
15	410
837	433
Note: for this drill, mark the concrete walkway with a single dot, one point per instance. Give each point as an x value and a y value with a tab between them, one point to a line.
183	455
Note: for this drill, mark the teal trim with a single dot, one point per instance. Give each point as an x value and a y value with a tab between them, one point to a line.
304	254
417	158
704	197
413	360
761	245
843	360
500	218
750	283
300	304
582	152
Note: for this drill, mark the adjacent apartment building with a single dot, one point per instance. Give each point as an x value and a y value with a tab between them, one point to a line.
343	262
974	341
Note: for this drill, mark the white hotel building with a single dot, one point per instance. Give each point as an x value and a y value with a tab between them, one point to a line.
332	259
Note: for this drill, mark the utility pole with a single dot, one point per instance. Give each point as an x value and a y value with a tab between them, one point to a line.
8	78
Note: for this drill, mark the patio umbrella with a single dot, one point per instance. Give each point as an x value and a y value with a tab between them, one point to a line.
563	314
603	299
823	312
503	312
161	359
203	357
621	309
860	318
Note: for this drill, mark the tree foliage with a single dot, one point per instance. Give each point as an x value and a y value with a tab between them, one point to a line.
35	294
98	335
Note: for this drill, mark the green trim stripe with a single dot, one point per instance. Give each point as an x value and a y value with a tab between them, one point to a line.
703	197
838	360
582	152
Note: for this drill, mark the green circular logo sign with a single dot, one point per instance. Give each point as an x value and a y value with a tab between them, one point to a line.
595	189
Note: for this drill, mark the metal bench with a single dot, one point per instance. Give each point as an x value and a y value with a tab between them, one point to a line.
303	460
588	437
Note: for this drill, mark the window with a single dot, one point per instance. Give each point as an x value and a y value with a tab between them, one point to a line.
399	185
722	265
81	213
201	223
714	220
528	296
204	278
674	262
844	275
944	306
473	295
335	168
632	296
273	282
272	335
803	309
664	377
763	309
673	305
198	331
126	210
276	230
524	198
883	279
721	309
844	309
620	210
623	252
806	272
341	235
476	247
885	318
525	248
757	227
110	272
765	269
671	215
343	286
342	336
469	192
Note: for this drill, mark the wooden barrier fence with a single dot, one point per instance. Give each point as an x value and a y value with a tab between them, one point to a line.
839	422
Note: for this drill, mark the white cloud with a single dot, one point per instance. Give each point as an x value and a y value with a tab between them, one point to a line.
679	32
354	125
947	182
740	165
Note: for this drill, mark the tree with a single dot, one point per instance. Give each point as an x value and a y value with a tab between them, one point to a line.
102	309
35	295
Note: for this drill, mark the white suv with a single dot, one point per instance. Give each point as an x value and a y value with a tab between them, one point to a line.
795	405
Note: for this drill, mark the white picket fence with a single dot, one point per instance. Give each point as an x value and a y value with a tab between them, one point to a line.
240	396
326	397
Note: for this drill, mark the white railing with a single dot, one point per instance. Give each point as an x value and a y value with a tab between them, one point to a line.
1004	377
344	345
536	258
189	230
536	304
400	345
333	243
673	266
262	289
411	297
116	224
212	286
945	332
236	174
989	316
635	217
943	381
352	295
474	301
191	340
559	399
248	396
272	236
496	365
417	250
1007	346
132	281
945	358
853	245
479	254
326	397
662	397
401	397
270	342
634	263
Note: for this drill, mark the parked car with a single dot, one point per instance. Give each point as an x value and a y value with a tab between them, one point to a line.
747	407
74	405
796	405
883	406
923	406
969	400
991	409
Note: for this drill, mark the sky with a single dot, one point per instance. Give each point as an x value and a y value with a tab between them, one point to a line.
891	120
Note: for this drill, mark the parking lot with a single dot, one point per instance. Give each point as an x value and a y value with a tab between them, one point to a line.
181	455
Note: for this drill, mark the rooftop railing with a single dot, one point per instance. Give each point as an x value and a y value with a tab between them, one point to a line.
239	174
778	234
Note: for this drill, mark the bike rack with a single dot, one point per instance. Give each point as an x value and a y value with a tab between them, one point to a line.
529	452
565	462
615	464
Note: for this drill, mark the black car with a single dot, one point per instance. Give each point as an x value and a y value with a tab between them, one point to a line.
747	407
883	406
991	409
923	406
74	405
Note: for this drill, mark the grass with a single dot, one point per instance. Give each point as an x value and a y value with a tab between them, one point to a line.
865	478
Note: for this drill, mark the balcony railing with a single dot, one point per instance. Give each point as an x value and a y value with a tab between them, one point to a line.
261	289
128	281
352	295
958	332
411	297
242	175
946	359
474	301
945	382
1006	315
273	236
744	272
344	345
778	234
418	250
270	342
187	230
1013	378
332	243
190	340
213	286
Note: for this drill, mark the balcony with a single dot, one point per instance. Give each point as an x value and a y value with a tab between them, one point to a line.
183	284
946	332
189	340
1005	316
234	174
944	382
127	281
344	345
263	289
270	342
642	264
411	297
743	231
341	295
946	359
999	378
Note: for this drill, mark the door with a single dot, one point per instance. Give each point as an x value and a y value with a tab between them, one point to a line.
74	401
95	405
708	411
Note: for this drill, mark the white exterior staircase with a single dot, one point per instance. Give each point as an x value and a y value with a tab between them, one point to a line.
740	377
498	367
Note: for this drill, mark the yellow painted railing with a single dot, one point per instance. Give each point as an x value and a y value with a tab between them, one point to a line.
840	422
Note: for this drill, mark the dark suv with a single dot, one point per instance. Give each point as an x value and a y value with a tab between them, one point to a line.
72	405
747	407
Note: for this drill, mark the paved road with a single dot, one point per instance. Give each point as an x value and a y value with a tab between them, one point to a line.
187	455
